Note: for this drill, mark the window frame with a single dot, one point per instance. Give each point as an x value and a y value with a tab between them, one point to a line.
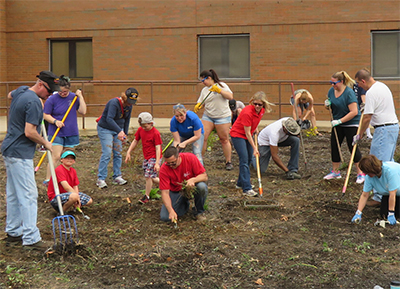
375	32
199	36
72	62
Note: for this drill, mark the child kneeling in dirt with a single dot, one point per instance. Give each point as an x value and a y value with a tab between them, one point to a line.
68	182
151	147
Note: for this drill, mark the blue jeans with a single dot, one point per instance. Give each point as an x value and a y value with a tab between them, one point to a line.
383	146
181	204
109	142
245	153
22	197
265	154
197	147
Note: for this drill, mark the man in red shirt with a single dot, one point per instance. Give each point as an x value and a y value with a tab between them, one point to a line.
177	168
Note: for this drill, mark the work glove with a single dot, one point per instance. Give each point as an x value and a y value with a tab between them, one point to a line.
197	107
362	106
356	139
328	102
336	122
391	218
357	217
215	88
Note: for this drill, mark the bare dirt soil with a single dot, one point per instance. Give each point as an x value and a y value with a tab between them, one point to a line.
303	240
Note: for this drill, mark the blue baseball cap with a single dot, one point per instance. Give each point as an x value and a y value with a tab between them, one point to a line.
68	153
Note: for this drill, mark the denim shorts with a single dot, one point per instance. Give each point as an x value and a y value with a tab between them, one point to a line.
66	141
217	121
65	197
148	168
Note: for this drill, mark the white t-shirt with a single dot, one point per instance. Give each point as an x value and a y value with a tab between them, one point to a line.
215	106
273	134
379	103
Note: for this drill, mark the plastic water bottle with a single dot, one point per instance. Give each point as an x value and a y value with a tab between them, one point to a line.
378	287
395	285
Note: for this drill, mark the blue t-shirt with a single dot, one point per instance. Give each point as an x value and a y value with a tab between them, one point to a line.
389	180
25	107
113	118
340	105
187	128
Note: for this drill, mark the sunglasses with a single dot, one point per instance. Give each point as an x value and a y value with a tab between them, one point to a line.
257	104
204	79
334	82
178	106
48	89
171	164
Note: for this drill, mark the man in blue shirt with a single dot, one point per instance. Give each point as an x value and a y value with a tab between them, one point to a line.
18	149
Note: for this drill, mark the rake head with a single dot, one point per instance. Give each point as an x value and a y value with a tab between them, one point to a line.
65	232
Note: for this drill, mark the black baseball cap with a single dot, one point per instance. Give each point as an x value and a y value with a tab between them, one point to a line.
50	78
132	94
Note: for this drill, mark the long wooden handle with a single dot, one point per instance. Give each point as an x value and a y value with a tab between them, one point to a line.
56	132
337	139
351	159
260	189
301	135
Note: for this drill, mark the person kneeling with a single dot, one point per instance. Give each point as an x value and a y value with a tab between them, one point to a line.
68	182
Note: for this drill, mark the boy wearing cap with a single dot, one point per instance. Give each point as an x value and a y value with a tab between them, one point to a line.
68	182
151	147
112	129
18	149
284	132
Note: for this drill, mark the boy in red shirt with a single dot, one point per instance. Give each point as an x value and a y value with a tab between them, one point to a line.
151	146
68	182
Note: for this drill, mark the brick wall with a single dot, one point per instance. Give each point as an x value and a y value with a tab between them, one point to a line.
157	40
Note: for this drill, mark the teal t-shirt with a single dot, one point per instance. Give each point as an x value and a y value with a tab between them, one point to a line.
340	105
389	180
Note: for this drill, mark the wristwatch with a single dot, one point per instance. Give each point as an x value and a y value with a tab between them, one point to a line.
55	121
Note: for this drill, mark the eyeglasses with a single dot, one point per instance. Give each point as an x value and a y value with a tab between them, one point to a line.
171	164
334	82
48	89
258	104
204	79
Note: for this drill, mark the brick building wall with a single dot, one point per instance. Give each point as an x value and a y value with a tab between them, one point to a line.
157	40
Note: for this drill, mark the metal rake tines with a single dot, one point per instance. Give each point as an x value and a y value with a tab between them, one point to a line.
65	229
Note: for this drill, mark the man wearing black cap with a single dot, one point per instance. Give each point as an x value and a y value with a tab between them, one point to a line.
18	148
236	107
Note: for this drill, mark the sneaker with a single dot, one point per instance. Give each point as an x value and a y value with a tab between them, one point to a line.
239	188
144	200
201	218
119	181
11	241
360	178
250	193
228	166
292	175
39	246
101	184
332	175
46	183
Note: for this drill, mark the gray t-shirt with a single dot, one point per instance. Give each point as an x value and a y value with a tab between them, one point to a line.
26	107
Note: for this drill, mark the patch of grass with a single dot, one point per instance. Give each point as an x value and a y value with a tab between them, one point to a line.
326	248
154	193
15	278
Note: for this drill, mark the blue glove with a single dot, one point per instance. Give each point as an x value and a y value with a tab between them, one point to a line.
336	122
356	139
357	217
391	219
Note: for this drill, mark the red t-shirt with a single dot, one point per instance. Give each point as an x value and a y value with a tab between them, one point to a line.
247	117
190	167
149	139
62	174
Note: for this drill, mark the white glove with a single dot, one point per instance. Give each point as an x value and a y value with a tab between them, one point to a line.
327	102
336	122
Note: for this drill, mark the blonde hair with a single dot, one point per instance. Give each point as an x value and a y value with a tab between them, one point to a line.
304	96
343	76
179	108
260	95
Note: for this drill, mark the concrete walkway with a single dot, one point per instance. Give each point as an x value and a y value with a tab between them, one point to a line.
162	124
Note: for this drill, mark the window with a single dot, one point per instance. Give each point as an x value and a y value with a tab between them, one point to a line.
228	55
386	54
72	58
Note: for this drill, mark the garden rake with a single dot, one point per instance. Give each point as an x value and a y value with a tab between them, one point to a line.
65	231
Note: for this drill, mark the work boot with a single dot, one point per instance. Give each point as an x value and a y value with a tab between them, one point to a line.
13	241
292	175
39	246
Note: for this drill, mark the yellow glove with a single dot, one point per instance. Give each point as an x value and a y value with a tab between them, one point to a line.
197	107
215	88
